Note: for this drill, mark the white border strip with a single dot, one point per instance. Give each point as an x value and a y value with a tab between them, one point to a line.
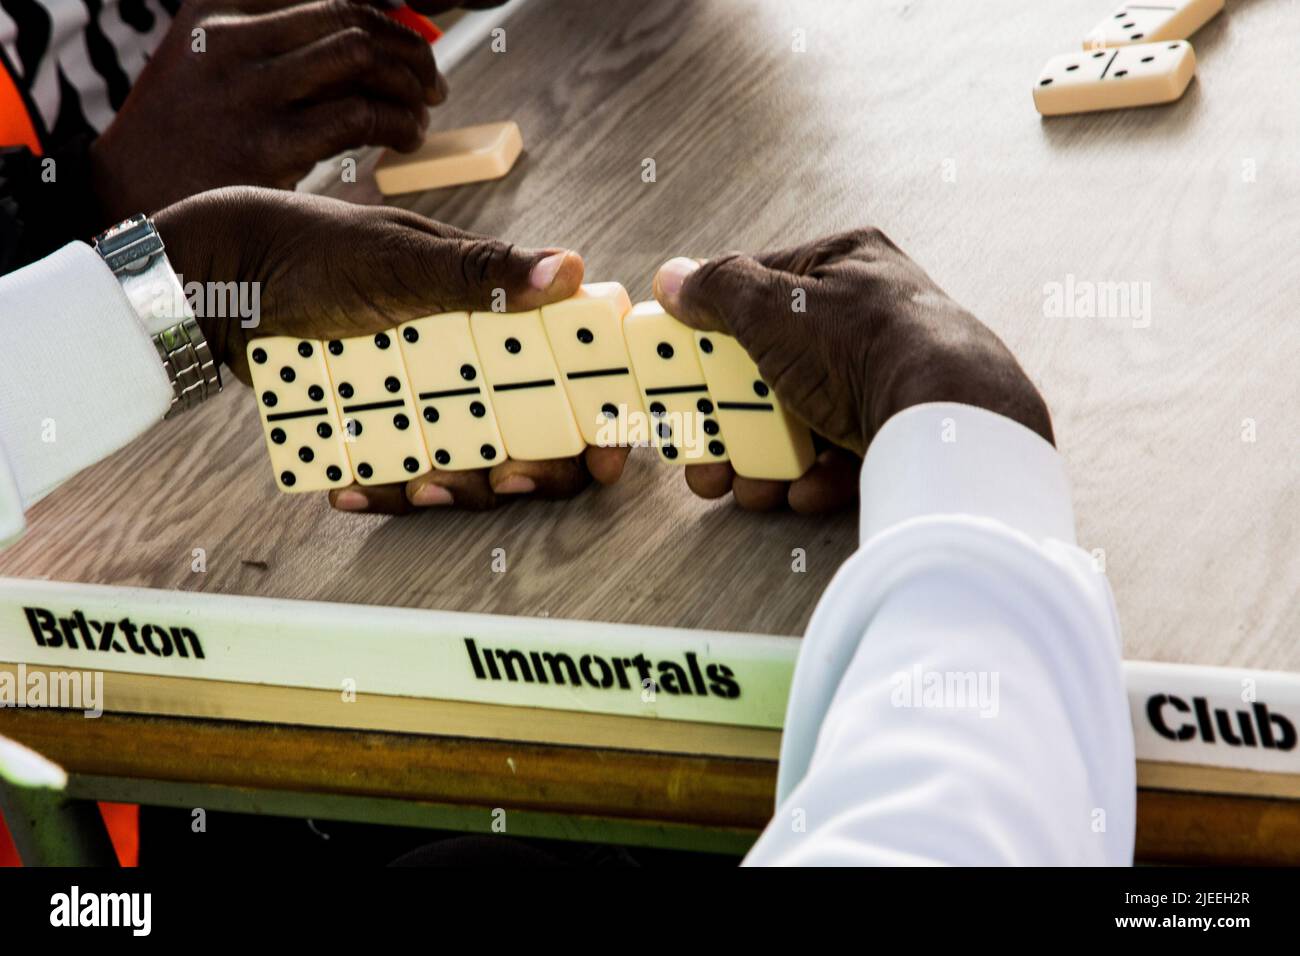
1233	718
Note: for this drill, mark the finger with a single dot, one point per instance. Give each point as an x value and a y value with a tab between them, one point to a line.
346	62
606	464
735	294
371	499
555	478
434	7
434	273
830	485
356	121
756	494
710	481
469	490
292	28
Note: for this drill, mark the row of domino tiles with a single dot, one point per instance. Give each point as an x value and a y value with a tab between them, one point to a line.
464	390
1137	56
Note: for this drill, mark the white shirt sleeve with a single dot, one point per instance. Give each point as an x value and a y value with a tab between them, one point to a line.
79	376
959	696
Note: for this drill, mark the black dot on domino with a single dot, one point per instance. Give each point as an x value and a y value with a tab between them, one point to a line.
305	349
665	350
1099	53
706	346
1045	82
477	409
382	341
1121	72
333	473
716	448
364	470
315	393
669	452
306	454
269	399
467	372
1121	15
430	414
1137	36
1130	25
259	356
657	409
278	436
352	427
761	389
585	336
705	406
664	430
609	410
442	456
488	452
513	346
411	334
401	422
710	426
393	383
1071	68
287	479
336	347
324	430
345	390
411	464
1147	59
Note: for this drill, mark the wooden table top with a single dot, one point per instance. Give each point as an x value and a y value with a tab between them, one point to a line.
913	116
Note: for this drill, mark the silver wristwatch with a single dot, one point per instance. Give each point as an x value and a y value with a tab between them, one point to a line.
133	249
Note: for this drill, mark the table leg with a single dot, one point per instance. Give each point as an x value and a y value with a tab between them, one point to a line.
51	829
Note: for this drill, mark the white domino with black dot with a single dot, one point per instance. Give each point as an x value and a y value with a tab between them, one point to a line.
586	338
1141	75
684	428
299	416
532	411
451	395
1152	22
763	439
376	409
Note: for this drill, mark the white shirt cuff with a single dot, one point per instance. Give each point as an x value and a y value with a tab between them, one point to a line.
79	376
947	458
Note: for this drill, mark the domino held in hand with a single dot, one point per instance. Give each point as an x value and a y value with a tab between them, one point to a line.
451	157
299	416
376	408
764	440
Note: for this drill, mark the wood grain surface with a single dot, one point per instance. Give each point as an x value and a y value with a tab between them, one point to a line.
914	116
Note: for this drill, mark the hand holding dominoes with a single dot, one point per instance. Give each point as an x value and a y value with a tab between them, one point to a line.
1136	56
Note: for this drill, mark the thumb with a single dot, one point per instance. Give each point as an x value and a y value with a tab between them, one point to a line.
735	294
475	273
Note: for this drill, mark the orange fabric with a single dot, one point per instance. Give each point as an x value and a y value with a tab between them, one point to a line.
16	127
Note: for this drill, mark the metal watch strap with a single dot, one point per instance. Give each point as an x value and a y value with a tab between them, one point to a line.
134	250
188	361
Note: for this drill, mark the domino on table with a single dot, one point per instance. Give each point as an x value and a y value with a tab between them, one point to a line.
376	409
451	157
672	384
764	439
1139	75
1149	23
532	412
456	417
299	416
586	336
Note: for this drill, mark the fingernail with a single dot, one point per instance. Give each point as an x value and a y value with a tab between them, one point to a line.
351	501
673	275
430	495
515	485
544	272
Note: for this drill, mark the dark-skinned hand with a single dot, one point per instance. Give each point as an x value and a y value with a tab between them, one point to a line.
875	336
278	86
329	269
